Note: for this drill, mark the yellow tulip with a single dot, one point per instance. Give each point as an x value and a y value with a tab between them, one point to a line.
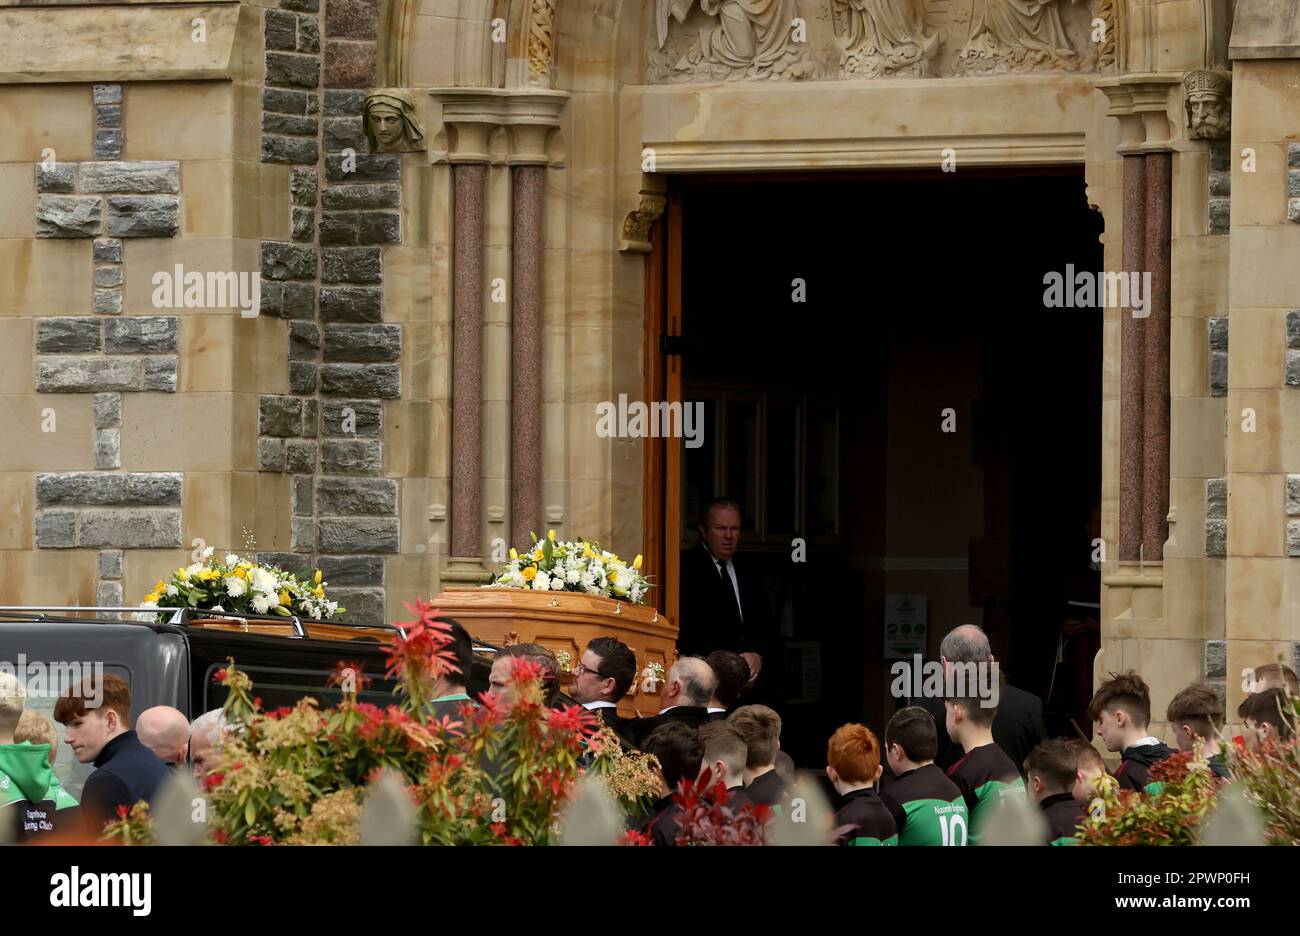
514	553
318	591
539	554
284	598
318	577
183	574
636	563
550	535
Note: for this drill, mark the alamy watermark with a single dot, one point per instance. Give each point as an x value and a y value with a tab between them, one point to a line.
938	680
195	290
640	420
1087	290
50	680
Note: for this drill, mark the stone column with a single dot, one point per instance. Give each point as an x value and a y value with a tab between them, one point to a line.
529	183
1155	351
1132	356
471	116
467	367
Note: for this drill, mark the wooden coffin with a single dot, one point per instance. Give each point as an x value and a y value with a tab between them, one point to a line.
566	621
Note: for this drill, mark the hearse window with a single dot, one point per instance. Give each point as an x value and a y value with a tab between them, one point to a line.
45	683
277	686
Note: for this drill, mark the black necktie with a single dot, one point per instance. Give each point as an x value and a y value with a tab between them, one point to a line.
727	587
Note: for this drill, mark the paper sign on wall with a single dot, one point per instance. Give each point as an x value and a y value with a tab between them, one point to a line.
904	626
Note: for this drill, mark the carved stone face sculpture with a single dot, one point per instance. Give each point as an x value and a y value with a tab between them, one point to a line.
391	123
386	126
1209	96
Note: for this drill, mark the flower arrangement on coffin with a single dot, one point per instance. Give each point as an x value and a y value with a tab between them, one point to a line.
242	587
1166	813
574	565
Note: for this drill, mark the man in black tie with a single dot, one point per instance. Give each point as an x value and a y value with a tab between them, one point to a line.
604	674
723	605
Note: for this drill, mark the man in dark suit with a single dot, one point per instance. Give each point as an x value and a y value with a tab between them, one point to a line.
685	697
450	689
723	605
1018	726
604	675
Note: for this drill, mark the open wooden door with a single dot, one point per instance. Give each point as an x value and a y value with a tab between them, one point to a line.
663	382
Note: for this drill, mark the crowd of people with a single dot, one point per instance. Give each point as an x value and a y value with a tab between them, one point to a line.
130	764
895	792
887	788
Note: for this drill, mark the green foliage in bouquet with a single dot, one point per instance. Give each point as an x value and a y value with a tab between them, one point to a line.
1166	813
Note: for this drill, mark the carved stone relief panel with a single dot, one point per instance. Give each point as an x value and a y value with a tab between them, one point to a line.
757	40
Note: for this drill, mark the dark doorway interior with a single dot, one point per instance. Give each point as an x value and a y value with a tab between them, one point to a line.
826	417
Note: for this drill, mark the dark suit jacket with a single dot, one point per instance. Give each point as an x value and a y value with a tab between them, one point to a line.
1018	726
610	718
711	619
126	772
696	716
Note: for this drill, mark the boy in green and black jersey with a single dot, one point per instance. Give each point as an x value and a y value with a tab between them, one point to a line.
985	774
927	807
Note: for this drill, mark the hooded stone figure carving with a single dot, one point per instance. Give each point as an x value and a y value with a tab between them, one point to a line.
391	122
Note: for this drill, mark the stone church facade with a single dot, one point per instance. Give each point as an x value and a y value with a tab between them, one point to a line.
452	205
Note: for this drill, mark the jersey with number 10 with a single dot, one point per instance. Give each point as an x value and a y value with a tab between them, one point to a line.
927	807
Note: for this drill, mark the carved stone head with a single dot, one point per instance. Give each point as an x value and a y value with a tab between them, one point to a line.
391	122
1209	105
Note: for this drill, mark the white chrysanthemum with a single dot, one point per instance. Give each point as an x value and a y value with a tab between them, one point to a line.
573	576
264	603
193	569
542	582
235	587
207	553
171	591
263	581
232	560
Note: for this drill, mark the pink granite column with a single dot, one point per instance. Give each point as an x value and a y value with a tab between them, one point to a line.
469	181
1132	332
526	336
1155	391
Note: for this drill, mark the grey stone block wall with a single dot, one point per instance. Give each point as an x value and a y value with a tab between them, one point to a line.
1292	507
1293	182
110	511
1218	356
1216	517
1293	348
1220	207
327	283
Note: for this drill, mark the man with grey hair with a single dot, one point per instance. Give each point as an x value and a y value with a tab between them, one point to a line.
205	742
685	698
165	731
1018	726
